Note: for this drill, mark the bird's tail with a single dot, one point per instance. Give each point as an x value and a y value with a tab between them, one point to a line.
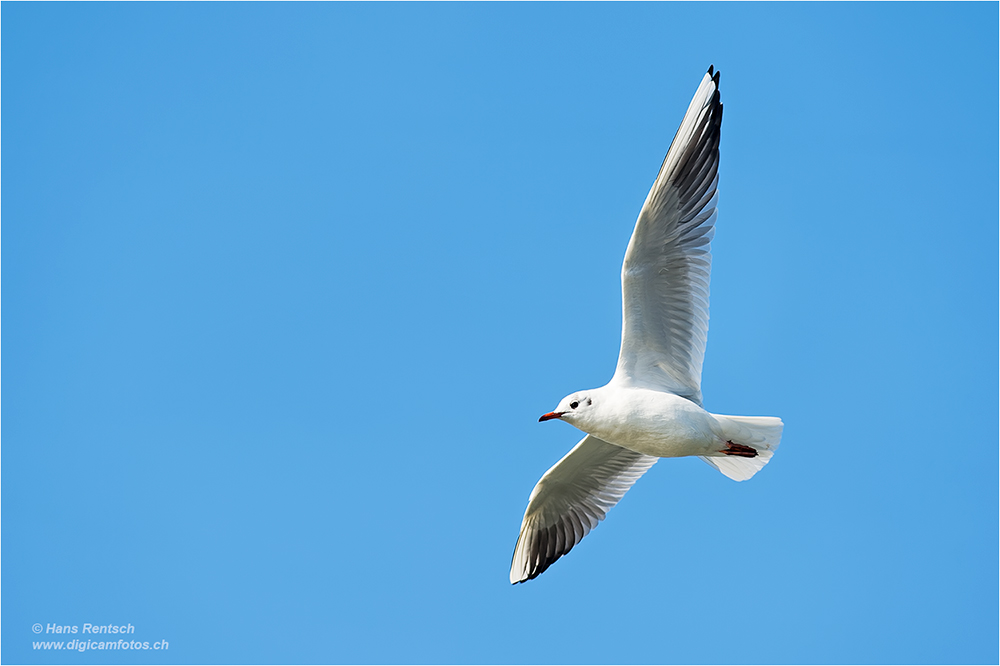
752	441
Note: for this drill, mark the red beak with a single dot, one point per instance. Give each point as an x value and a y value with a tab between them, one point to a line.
550	416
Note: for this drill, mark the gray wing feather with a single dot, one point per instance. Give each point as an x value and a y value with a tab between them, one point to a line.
570	500
668	262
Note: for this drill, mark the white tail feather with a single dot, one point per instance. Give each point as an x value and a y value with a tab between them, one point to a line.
763	433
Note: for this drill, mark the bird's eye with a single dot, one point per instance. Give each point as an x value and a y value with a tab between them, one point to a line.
574	404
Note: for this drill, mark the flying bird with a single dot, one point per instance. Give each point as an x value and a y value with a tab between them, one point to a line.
651	408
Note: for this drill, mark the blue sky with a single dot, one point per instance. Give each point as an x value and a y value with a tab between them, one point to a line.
286	286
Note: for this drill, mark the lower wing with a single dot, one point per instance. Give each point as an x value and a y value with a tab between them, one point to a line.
570	499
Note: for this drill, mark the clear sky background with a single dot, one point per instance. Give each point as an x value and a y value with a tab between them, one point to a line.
286	287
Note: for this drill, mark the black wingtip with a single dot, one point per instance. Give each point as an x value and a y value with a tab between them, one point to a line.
711	69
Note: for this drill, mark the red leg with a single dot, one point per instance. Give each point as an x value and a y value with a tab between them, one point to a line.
739	450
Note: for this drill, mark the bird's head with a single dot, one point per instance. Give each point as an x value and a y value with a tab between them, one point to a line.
573	408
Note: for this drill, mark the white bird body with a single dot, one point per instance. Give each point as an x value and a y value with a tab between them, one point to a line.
650	422
651	408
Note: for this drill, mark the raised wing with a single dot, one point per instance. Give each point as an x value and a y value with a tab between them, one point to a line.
668	261
569	501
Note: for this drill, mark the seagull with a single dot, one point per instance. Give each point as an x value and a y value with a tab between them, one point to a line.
651	408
